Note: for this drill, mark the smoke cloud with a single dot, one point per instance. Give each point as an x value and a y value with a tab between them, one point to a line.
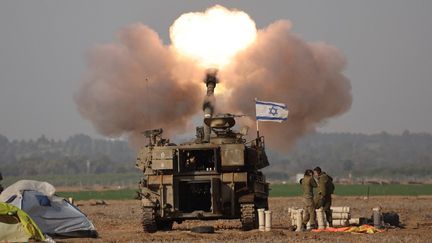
138	83
281	67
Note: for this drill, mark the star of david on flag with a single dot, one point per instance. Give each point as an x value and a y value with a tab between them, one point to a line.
271	111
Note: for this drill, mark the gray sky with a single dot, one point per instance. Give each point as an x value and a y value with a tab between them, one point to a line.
43	45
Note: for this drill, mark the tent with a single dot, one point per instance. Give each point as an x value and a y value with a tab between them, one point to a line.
17	226
54	215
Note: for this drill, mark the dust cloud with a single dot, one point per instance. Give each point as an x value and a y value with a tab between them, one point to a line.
281	67
138	83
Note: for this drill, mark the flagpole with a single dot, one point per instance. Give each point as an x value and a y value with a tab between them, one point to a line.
257	122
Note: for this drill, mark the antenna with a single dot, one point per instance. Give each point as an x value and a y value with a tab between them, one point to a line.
147	100
147	106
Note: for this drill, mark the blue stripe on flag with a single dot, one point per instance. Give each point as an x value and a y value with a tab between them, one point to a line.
270	118
268	103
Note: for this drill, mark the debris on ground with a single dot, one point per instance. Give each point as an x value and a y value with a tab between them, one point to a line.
97	203
203	229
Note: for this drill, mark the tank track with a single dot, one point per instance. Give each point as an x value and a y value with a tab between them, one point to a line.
151	223
164	225
248	216
148	220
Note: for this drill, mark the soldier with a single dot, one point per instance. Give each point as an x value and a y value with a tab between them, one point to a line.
308	183
325	189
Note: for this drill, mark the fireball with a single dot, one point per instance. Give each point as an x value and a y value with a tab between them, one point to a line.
214	37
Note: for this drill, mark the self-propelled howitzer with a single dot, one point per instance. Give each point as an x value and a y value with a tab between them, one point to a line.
215	176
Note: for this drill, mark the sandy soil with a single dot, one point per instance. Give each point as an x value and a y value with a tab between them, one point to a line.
119	221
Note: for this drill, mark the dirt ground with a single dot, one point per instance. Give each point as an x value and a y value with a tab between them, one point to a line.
119	221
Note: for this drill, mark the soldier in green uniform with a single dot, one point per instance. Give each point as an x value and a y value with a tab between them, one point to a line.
307	184
325	189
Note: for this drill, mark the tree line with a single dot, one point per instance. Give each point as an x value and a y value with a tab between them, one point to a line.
392	156
406	155
79	154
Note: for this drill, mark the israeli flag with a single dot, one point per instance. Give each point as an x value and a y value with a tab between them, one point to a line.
271	111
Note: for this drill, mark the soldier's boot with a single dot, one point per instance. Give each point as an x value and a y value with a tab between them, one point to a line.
330	220
313	226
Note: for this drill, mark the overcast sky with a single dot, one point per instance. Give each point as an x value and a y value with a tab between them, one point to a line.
43	45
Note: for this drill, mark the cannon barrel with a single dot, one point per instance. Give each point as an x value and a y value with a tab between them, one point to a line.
208	105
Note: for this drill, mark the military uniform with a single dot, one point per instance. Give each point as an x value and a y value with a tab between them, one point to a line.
323	198
308	183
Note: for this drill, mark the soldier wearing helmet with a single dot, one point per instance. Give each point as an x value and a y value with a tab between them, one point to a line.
307	184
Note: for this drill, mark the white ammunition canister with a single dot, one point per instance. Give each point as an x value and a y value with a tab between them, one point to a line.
354	221
341	209
341	215
299	219
268	220
340	222
320	218
290	216
377	217
293	216
261	219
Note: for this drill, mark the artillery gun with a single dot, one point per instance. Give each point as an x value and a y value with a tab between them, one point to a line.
215	176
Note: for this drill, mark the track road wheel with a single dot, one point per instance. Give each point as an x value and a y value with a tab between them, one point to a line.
249	216
149	220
